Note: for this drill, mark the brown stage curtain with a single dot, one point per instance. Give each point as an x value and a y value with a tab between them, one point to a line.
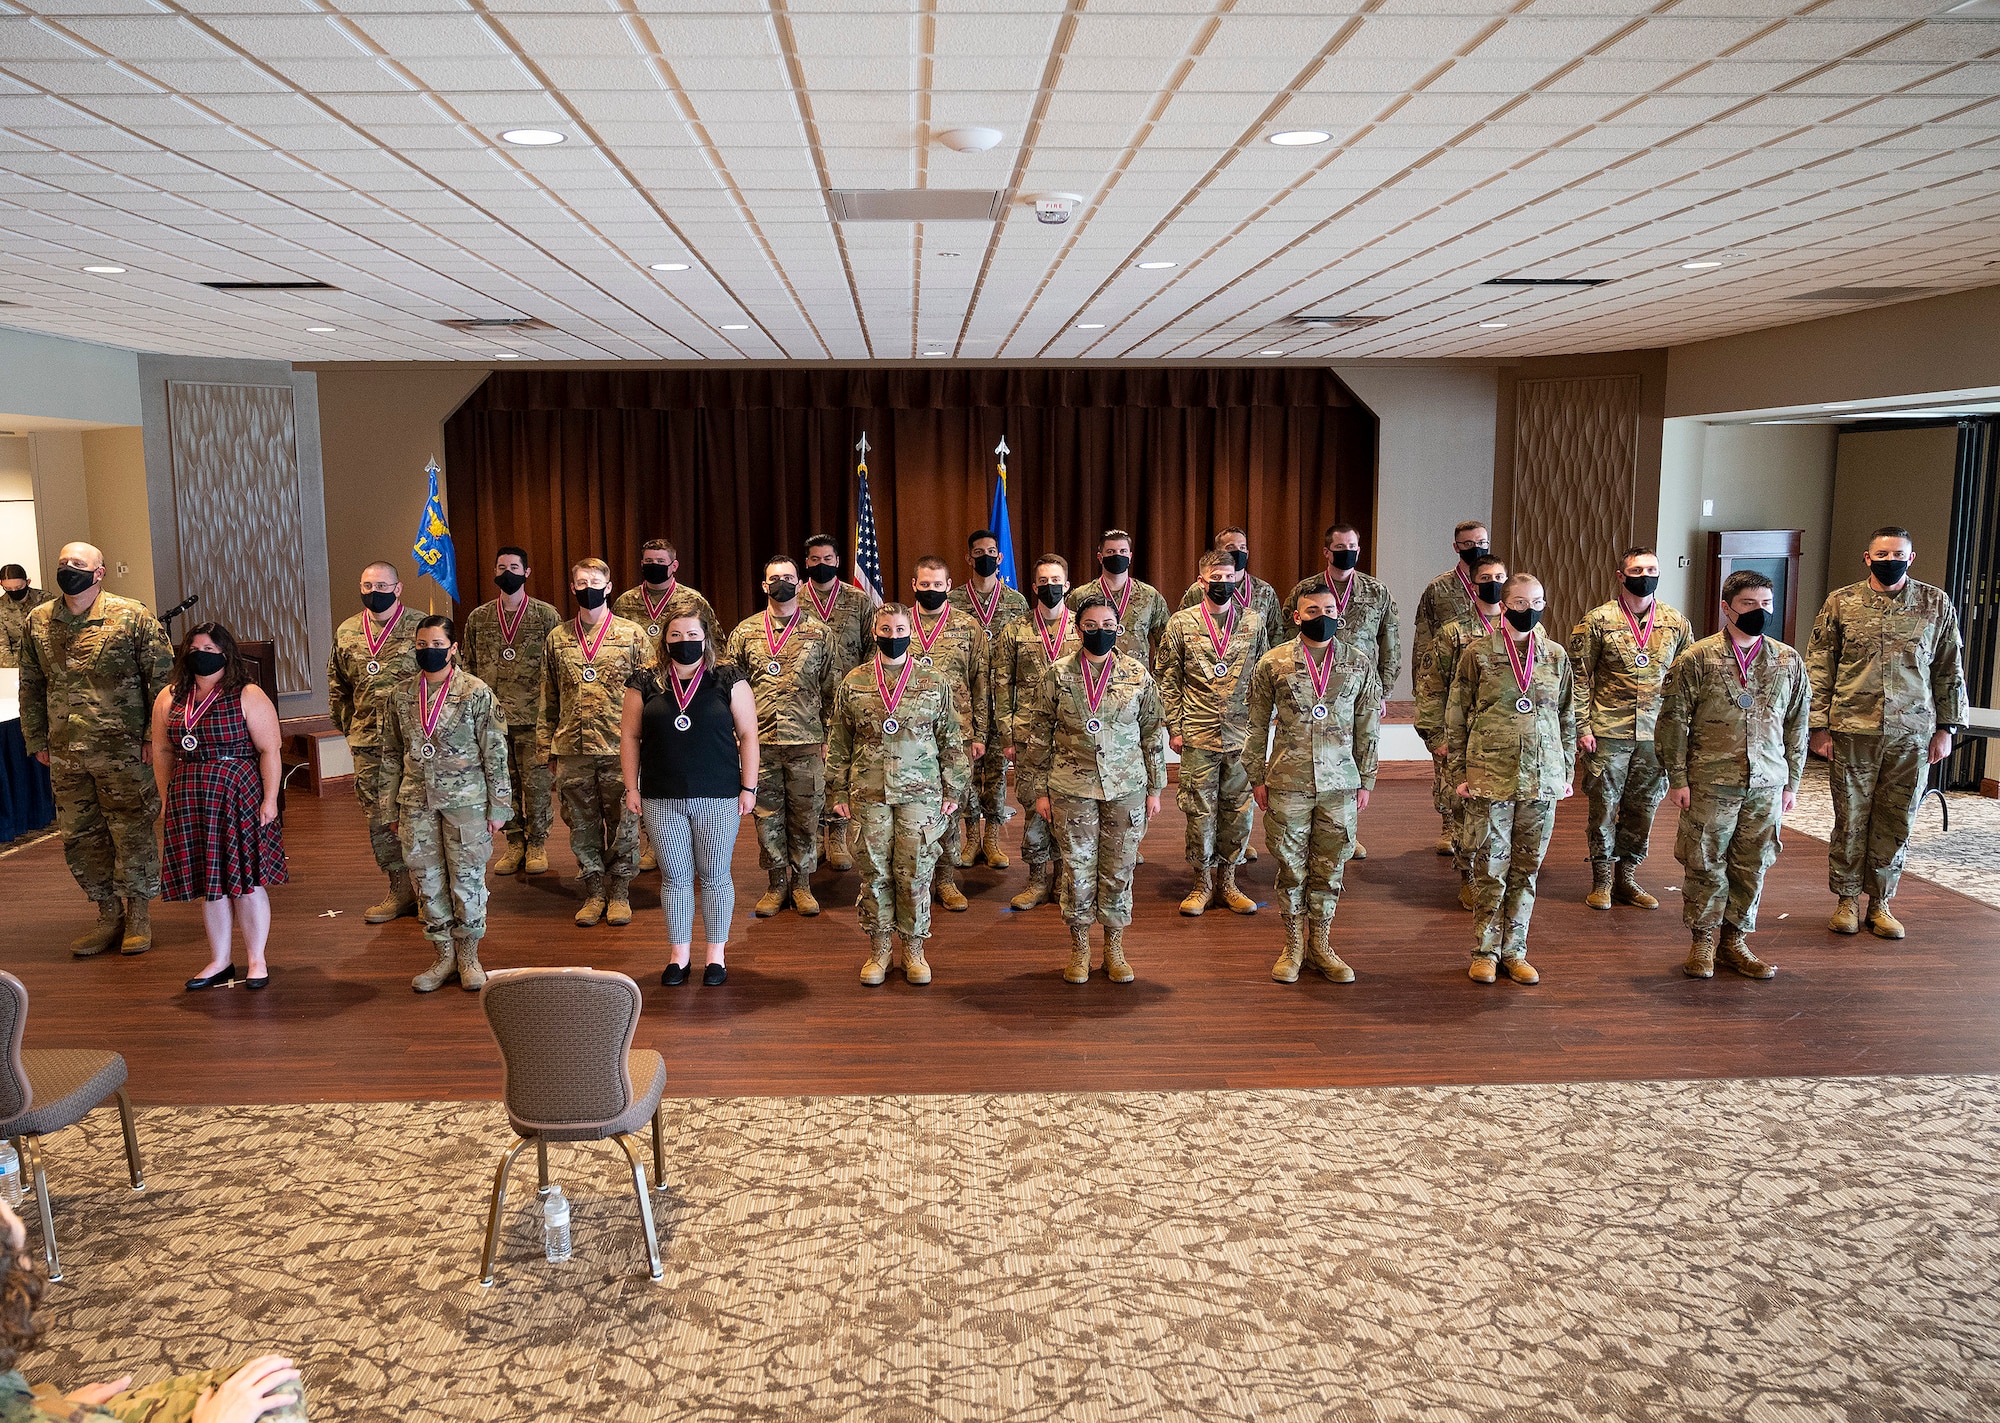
736	465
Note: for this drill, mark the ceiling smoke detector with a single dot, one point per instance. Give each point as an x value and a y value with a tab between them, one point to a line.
970	140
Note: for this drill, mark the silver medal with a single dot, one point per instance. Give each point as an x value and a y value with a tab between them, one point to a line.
652	629
590	674
923	662
373	667
508	654
1642	660
1319	713
188	743
1526	704
682	723
1221	670
774	667
891	726
1093	726
1746	701
428	751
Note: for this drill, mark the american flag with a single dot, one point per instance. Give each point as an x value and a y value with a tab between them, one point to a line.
867	556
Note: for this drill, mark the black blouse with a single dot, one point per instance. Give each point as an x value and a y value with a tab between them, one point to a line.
700	762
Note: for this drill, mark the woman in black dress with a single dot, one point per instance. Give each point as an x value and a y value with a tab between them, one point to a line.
215	755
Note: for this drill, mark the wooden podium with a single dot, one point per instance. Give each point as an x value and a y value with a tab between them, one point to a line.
1771	552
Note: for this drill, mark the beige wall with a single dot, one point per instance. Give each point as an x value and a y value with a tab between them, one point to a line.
18	541
1649	366
62	496
1893	477
114	467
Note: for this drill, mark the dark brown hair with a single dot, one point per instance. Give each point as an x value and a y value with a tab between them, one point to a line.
21	1286
236	673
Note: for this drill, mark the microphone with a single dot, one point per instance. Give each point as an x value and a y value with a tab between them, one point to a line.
181	607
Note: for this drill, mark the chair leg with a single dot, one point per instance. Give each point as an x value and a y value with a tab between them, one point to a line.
659	1154
541	1167
645	1205
48	1216
132	1165
499	1204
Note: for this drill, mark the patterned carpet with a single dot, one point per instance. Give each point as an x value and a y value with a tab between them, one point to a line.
1806	1249
1965	858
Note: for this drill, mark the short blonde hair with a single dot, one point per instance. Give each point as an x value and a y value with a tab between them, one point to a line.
590	565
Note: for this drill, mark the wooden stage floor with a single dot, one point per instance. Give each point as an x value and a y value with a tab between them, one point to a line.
340	1022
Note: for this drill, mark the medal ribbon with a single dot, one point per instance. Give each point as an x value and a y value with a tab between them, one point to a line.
1341	601
985	613
824	610
1052	649
1743	663
653	609
430	710
1466	583
891	700
1094	695
1524	676
693	685
191	714
777	644
375	643
929	639
1220	644
507	629
1642	637
589	645
1479	610
1321	675
1114	600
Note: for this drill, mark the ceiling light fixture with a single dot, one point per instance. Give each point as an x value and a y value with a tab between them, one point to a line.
1698	266
970	140
1270	353
106	271
736	326
1156	266
321	330
669	267
1298	137
1491	325
506	355
532	137
934	353
1090	325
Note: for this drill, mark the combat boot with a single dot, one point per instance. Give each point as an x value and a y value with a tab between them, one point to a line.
1236	899
881	952
1447	840
915	967
803	898
1037	891
1468	898
1846	915
647	859
836	855
1202	895
1701	955
110	927
593	904
1520	970
510	860
948	892
989	847
471	977
773	899
1881	923
1736	953
439	973
618	913
138	935
538	859
968	846
399	901
1115	967
1079	954
1249	854
1625	888
1600	885
1483	970
1360	851
1293	955
1320	954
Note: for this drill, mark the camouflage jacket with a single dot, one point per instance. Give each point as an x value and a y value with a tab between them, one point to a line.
581	715
1060	755
1208	713
355	696
1369	623
850	615
1010	606
963	657
1019	659
170	1400
14	622
1883	663
1706	738
1141	625
1615	696
89	682
794	702
468	762
1444	600
1433	676
631	605
1500	752
1311	753
924	759
517	680
1254	595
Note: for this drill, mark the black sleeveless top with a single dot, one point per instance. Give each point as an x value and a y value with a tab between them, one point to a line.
700	762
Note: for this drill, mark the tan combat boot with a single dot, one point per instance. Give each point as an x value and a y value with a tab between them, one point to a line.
1293	956
803	898
1037	891
593	904
110	927
1701	955
618	912
647	859
439	973
1320	954
1468	897
968	846
989	847
1115	967
1846	915
1236	899
881	953
538	859
1520	970
1483	970
1881	923
399	901
1079	954
835	852
948	892
510	859
1625	888
1600	885
1736	953
471	977
1447	840
773	899
1202	895
138	935
916	968
1360	851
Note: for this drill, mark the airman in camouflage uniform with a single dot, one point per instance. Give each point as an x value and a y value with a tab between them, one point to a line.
18	598
847	611
1253	594
1512	766
512	667
1735	772
582	707
952	643
451	792
1021	655
788	657
1618	656
899	775
1142	612
89	677
171	1400
1096	773
1888	691
1447	599
1432	679
1326	698
1204	694
370	659
993	605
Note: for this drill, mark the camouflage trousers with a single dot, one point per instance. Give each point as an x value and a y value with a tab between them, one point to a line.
1100	849
1214	795
986	796
1506	840
106	804
1727	840
534	805
791	795
446	852
173	1400
381	814
1312	838
603	834
1877	784
1625	785
896	848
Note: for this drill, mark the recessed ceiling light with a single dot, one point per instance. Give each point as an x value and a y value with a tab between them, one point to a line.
669	266
934	353
1270	353
321	330
1156	266
105	271
736	326
1698	266
506	355
1298	137
532	137
1491	325
1090	325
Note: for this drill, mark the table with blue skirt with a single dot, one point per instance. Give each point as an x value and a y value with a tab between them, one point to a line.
27	804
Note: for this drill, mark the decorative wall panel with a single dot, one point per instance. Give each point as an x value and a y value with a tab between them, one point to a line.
236	507
1576	459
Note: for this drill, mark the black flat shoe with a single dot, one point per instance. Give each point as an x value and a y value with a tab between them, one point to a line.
675	976
253	984
214	980
715	973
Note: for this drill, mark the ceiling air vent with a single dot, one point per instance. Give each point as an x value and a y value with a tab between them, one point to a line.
1321	318
916	204
1862	294
300	286
497	323
1545	281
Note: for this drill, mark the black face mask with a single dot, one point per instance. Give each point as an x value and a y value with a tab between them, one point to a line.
783	590
823	573
1049	595
685	653
1099	642
931	599
510	583
17	594
1524	619
1115	562
1240	557
204	663
1490	593
373	602
1642	587
590	597
656	574
1344	558
1888	571
1470	556
891	647
985	564
75	581
1751	624
1220	592
1320	629
433	659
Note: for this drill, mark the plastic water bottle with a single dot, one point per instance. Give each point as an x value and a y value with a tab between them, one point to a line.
555	1226
10	1176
